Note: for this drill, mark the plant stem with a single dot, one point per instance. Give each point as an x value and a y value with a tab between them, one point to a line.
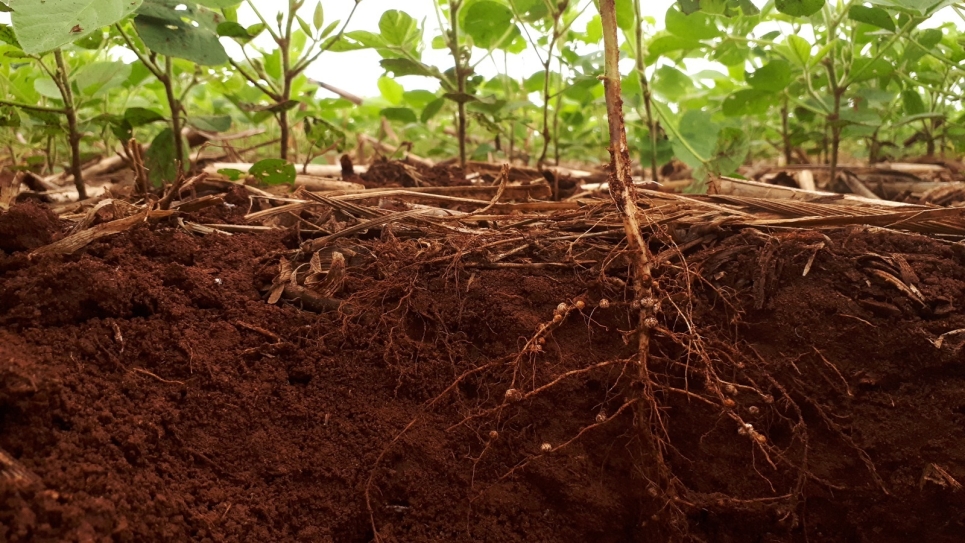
42	109
288	74
556	125
547	76
624	196
454	6
150	65
835	117
253	79
73	135
175	105
785	133
48	156
645	87
509	96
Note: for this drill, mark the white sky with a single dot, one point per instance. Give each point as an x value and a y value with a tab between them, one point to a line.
358	71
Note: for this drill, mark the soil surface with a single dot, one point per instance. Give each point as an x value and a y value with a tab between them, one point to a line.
388	173
156	396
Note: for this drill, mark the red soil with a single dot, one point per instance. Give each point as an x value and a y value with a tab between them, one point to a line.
156	395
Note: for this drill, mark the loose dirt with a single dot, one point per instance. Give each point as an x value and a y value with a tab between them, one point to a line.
156	396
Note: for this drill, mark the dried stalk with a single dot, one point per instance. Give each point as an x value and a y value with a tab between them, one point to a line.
136	153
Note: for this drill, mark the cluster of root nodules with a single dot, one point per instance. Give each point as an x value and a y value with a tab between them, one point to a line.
484	386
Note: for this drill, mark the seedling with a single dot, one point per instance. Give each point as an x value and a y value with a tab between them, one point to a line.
279	73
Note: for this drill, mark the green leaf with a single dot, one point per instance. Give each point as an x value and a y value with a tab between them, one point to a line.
696	26
662	45
229	29
99	77
272	63
731	54
919	117
799	8
256	29
303	24
323	134
730	151
230	14
432	109
9	117
532	11
689	6
822	52
698	130
404	66
232	174
7	35
211	123
626	18
862	116
47	88
747	7
161	158
929	38
727	8
923	7
49	119
747	102
318	16
912	101
671	83
329	29
490	24
391	90
873	16
488	105
584	89
664	148
139	116
189	34
360	39
219	4
853	131
400	29
92	42
800	50
876	96
42	25
418	98
774	76
399	114
594	30
273	171
864	69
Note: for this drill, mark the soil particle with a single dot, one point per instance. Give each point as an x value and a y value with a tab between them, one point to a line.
389	173
26	227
